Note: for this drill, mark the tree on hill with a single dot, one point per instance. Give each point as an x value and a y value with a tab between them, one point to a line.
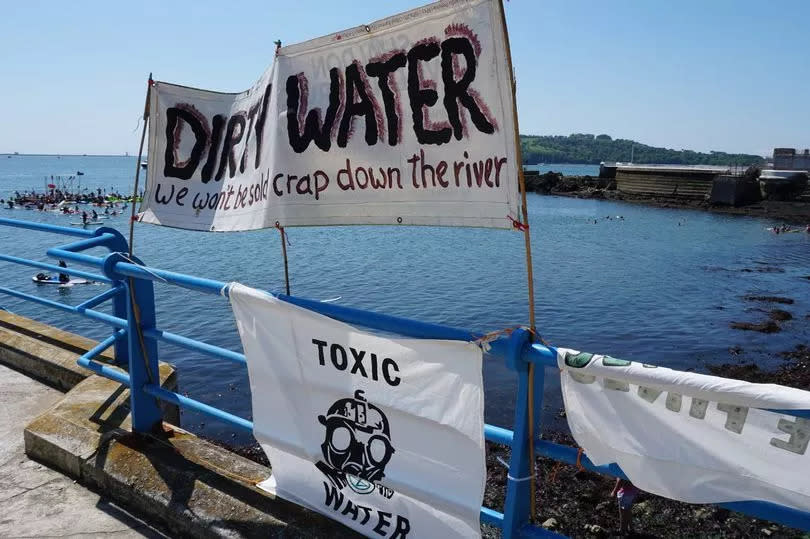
589	149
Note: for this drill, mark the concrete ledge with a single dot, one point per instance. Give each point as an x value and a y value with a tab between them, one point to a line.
190	486
44	352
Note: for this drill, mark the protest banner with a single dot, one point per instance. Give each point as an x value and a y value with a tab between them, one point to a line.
405	121
385	435
689	436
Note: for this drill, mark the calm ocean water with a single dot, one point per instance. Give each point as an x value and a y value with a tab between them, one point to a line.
661	286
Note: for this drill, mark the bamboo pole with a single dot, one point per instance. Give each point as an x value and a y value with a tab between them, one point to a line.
529	269
138	165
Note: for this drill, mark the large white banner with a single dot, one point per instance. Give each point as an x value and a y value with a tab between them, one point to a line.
688	436
384	435
405	121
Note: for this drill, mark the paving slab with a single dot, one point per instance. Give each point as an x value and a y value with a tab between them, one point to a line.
37	501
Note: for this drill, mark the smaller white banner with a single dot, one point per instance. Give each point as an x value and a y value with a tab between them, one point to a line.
384	435
687	436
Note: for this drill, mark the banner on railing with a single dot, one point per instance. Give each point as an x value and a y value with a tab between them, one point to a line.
405	121
688	436
384	435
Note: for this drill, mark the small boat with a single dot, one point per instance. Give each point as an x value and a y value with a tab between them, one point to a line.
143	164
79	173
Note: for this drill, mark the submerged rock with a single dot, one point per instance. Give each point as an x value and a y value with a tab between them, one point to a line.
779	314
769	326
769	299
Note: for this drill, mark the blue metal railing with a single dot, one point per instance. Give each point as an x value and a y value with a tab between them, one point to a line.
135	336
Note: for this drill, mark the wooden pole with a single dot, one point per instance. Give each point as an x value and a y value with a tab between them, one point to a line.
529	270
284	253
138	165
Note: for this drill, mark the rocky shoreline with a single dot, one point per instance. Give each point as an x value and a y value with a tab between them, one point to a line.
593	187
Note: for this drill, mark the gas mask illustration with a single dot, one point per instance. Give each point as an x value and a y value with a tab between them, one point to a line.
357	443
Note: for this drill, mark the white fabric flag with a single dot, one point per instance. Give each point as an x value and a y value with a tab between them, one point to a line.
404	121
384	435
688	436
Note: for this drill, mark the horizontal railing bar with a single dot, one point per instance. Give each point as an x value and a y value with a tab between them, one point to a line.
103	345
384	322
197	346
54	267
568	454
498	435
543	355
180	400
491	517
756	508
771	511
101	298
209	286
43	227
101	317
106	371
86	360
58	252
97	241
795	413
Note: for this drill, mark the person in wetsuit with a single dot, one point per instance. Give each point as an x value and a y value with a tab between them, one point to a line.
63	277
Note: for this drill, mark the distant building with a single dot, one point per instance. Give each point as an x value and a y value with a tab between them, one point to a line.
789	159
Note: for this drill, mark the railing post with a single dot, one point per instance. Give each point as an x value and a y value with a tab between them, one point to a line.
516	507
143	357
119	302
142	352
119	308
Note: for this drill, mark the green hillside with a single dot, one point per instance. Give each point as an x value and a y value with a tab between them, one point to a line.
590	149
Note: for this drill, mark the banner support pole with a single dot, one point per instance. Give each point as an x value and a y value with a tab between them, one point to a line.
284	254
138	165
529	270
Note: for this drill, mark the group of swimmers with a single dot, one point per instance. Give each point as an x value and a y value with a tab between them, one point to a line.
609	218
787	228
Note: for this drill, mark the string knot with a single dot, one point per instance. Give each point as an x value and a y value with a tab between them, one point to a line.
517	224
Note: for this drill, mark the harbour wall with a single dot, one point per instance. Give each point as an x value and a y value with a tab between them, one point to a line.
168	477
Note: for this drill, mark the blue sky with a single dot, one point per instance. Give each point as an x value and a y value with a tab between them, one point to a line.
703	75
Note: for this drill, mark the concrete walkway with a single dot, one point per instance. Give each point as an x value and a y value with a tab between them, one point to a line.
36	501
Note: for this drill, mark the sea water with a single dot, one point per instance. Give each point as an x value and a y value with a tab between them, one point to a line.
641	283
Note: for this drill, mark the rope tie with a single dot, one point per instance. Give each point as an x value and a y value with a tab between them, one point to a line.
144	268
484	340
517	224
283	234
508	476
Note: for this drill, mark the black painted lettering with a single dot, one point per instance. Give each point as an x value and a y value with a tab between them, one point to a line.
321	345
423	97
382	522
402	528
260	120
351	108
233	135
383	71
358	355
388	365
172	167
343	362
313	129
456	91
333	496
